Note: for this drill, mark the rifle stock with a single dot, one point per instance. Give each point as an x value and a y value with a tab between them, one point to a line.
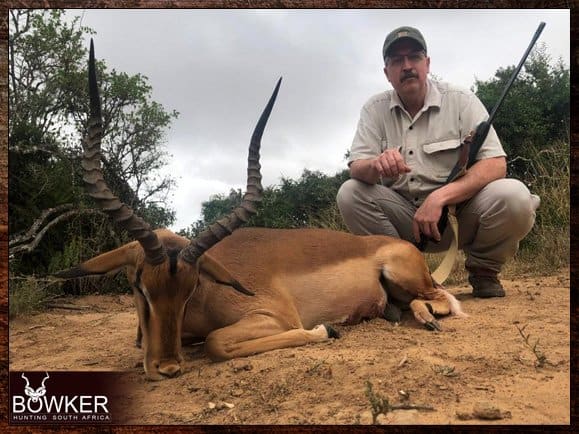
471	145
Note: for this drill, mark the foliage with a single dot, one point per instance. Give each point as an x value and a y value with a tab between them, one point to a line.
44	56
533	125
296	204
378	403
549	177
535	113
540	357
308	201
48	114
29	294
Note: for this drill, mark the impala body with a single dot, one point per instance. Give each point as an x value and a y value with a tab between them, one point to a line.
252	290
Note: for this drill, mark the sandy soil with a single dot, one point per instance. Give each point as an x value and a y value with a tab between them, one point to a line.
477	368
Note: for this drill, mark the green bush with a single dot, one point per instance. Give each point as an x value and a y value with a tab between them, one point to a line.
29	294
548	175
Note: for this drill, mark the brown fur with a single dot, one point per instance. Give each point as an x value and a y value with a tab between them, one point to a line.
301	279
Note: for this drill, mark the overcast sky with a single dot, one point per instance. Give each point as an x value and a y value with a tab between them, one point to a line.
217	68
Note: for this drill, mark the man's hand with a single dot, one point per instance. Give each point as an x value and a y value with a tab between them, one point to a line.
427	217
389	164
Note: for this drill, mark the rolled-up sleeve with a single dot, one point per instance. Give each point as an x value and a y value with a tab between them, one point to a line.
367	141
472	115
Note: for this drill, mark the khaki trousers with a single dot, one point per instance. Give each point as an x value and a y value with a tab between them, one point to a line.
491	223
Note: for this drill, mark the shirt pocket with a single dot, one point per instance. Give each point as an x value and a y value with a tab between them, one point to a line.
440	157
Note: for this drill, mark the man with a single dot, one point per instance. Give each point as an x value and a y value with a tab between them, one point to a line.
406	144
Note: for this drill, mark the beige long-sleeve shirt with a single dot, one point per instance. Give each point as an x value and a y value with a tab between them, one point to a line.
429	143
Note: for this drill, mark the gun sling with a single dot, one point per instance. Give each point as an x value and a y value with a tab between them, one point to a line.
469	149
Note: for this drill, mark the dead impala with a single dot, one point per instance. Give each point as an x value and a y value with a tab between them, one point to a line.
258	289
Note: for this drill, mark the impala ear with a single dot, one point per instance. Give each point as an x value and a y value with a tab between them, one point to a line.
105	263
209	265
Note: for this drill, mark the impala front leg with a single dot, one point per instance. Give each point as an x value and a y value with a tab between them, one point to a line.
258	333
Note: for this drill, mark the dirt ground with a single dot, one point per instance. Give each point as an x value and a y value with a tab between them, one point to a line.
477	370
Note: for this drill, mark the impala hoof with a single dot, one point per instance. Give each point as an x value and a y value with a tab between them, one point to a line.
332	332
170	369
392	313
433	325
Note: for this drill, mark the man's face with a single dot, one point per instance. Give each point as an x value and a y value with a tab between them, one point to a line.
407	67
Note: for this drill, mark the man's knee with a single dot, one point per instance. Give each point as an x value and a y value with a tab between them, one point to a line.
515	203
349	202
346	196
357	205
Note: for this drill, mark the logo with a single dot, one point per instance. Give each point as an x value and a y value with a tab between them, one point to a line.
61	397
35	395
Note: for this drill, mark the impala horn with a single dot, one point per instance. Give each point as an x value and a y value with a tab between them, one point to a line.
248	207
96	186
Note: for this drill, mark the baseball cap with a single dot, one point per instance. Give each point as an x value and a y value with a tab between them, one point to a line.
400	33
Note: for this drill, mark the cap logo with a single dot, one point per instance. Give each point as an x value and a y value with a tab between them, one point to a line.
402	34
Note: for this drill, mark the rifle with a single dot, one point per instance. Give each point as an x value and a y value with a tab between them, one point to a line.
473	142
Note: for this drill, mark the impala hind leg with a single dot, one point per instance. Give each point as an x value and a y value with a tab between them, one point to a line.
407	279
438	302
259	333
424	311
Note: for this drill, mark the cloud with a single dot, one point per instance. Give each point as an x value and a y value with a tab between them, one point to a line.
218	69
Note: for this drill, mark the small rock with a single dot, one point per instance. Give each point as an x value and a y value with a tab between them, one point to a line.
488	411
382	420
237	392
366	418
222	405
464	415
404	396
240	365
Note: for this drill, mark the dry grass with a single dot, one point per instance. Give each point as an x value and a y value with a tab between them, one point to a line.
29	294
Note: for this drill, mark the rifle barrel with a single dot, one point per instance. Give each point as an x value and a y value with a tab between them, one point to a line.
516	72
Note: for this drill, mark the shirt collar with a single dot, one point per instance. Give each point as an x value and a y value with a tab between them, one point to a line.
433	97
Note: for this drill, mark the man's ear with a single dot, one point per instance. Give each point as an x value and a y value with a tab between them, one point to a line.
386	73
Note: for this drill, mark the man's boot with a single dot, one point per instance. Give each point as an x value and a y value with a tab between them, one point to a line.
485	283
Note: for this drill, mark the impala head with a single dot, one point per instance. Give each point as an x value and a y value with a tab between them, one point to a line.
162	267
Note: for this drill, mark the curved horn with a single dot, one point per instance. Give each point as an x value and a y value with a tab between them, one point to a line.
96	186
253	194
45	378
27	382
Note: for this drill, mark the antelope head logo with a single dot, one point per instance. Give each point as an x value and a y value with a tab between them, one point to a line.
35	394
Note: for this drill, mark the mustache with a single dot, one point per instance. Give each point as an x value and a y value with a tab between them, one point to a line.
408	75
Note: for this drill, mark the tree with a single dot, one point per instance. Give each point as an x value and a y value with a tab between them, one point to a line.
535	113
212	210
48	114
309	201
299	203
